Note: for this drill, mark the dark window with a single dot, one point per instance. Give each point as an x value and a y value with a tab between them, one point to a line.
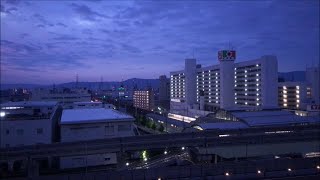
20	131
39	130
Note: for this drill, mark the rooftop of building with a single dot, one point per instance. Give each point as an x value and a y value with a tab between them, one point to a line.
29	104
221	125
88	102
244	119
96	115
273	118
165	119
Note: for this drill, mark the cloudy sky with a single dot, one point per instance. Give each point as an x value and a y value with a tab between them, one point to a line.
47	41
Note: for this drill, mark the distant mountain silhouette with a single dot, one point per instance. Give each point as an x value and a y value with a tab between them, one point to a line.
128	84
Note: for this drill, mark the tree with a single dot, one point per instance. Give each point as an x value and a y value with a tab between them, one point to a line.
153	126
161	128
149	123
144	121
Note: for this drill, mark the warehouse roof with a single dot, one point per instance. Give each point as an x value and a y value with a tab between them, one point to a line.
93	115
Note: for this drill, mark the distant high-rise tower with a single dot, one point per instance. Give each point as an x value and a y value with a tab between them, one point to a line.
164	88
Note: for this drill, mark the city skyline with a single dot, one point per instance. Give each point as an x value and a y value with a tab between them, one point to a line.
47	42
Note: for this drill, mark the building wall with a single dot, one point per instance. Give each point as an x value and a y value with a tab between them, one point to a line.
89	160
247	84
190	81
177	86
293	95
35	129
313	78
227	84
164	88
269	80
80	132
77	96
208	81
25	132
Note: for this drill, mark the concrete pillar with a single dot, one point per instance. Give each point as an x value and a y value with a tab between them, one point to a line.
215	159
33	168
49	162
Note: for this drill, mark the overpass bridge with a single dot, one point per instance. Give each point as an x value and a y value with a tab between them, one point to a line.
204	139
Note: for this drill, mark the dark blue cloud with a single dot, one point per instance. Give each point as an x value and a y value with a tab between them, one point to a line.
87	13
61	24
85	35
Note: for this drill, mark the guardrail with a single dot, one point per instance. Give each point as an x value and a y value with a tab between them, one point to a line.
193	139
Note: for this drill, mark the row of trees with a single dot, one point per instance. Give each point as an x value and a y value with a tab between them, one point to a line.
149	123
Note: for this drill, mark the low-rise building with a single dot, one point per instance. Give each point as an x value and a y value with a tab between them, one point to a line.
90	124
66	96
28	123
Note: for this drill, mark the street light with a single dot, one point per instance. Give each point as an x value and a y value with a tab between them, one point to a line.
2	114
182	148
127	164
165	152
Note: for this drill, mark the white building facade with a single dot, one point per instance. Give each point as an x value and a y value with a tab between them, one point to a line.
28	123
67	98
90	124
228	85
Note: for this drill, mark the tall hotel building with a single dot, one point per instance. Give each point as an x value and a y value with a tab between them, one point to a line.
244	85
143	99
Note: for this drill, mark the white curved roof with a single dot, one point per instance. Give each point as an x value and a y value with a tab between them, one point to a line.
93	115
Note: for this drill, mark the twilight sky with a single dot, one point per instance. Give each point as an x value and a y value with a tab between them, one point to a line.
47	41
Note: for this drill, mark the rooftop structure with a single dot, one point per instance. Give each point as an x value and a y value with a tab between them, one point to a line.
249	119
90	124
27	123
65	96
